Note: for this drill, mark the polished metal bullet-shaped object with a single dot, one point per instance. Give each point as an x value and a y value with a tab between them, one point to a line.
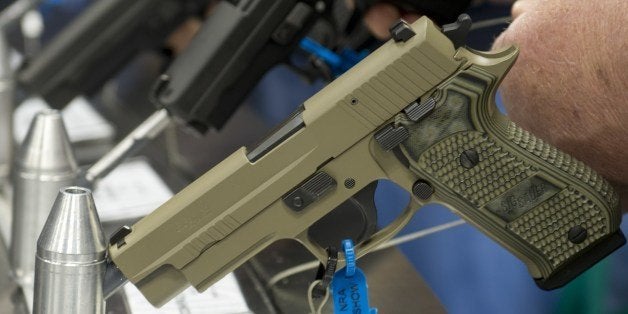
44	164
7	99
71	257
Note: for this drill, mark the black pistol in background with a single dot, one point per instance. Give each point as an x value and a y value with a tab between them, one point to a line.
99	43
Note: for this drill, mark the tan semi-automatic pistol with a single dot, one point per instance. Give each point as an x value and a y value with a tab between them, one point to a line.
418	111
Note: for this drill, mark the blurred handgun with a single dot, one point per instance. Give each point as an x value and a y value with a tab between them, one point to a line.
99	43
418	111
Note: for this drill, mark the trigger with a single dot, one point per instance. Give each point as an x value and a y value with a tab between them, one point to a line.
355	218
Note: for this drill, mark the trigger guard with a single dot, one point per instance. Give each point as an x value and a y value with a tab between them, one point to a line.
355	219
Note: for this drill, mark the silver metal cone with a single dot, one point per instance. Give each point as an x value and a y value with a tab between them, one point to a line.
46	146
71	257
44	164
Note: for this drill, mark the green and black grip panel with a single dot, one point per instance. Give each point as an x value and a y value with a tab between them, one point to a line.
550	210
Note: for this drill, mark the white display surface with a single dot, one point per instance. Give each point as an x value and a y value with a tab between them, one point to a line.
131	191
224	297
81	120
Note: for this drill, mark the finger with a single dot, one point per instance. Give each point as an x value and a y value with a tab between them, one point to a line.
380	17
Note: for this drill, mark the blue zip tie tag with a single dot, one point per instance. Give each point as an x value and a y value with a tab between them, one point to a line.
349	288
347	248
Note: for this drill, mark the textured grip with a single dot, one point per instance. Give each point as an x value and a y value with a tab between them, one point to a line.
550	210
535	212
570	206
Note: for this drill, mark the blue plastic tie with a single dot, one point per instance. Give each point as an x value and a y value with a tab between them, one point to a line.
347	247
348	287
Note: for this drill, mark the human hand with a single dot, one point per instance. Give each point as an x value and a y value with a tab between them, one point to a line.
569	85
